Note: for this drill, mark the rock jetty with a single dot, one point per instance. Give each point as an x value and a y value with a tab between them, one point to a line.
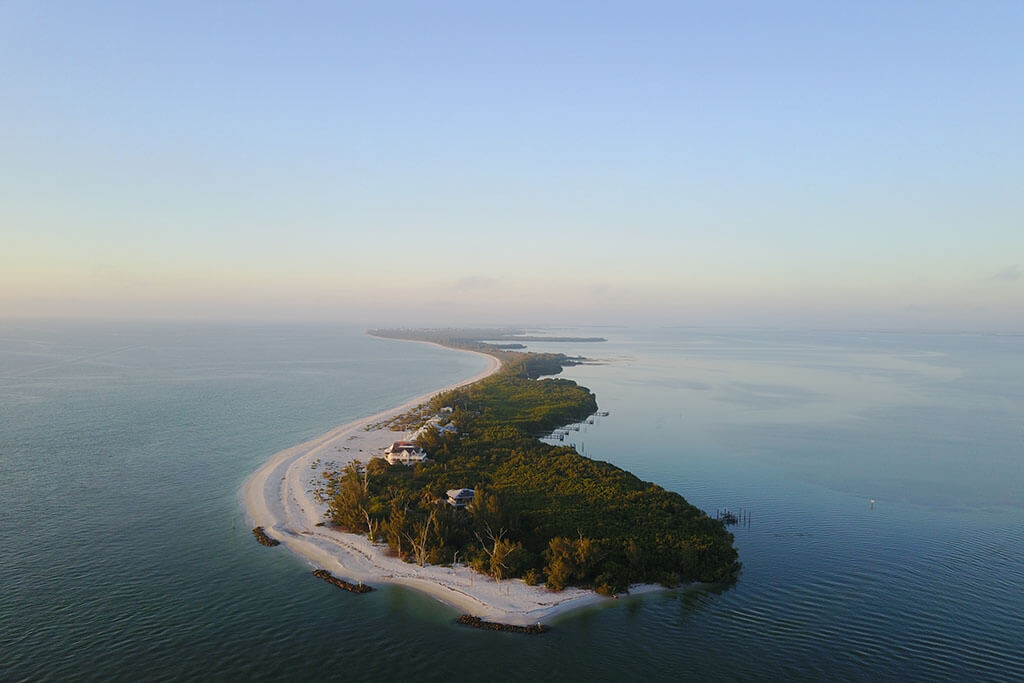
341	583
262	537
477	622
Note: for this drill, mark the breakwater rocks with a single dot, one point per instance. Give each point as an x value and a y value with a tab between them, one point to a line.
262	537
340	583
477	622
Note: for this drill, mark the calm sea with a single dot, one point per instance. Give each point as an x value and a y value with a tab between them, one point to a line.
124	551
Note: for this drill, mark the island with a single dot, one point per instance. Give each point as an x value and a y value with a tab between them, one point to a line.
455	494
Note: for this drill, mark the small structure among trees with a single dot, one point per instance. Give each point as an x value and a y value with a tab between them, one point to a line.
460	498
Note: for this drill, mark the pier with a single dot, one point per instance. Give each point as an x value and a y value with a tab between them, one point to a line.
730	518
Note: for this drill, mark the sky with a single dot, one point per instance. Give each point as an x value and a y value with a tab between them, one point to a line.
791	163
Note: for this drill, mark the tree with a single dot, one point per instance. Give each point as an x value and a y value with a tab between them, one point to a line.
503	555
499	551
349	498
588	557
561	567
377	466
394	526
490	512
419	537
570	561
430	440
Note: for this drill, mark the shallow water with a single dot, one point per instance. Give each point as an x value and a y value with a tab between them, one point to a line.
126	553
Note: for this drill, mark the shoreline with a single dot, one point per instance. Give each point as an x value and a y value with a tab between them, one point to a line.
279	497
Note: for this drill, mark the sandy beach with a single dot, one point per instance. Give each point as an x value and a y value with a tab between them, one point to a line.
280	498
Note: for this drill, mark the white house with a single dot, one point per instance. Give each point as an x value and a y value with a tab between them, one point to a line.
460	498
405	452
442	429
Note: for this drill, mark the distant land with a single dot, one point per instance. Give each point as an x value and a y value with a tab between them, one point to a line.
475	337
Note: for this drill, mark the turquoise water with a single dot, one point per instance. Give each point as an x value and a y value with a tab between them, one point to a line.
125	553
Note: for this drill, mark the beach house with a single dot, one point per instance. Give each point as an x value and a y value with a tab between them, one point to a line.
405	452
442	429
460	498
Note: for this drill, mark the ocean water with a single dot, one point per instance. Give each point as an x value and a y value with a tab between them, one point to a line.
125	553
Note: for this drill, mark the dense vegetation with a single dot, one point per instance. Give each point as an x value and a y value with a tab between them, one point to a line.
541	512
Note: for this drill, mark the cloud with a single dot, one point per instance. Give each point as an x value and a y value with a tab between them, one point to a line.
1007	274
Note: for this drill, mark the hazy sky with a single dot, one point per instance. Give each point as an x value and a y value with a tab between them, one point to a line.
681	162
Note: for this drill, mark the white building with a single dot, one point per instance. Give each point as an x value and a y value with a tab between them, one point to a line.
442	429
460	498
405	452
